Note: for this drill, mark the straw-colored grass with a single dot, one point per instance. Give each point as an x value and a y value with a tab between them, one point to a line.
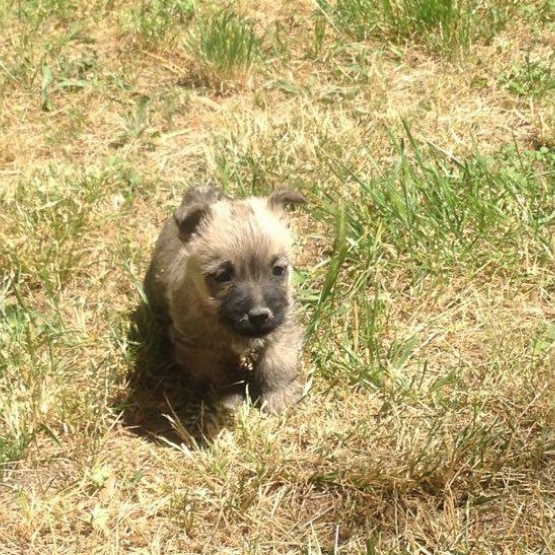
423	142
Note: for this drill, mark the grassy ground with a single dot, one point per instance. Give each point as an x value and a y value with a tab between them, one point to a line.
423	135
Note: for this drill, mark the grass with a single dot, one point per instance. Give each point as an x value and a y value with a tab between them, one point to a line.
156	22
441	25
225	47
532	76
421	134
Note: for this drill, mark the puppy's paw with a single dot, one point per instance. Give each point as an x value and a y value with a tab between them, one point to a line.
232	399
275	401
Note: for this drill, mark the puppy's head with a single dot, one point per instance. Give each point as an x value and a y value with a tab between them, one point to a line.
240	256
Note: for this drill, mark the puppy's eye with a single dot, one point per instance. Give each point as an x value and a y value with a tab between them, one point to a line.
224	275
279	270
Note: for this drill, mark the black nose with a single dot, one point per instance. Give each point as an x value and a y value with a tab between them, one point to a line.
259	315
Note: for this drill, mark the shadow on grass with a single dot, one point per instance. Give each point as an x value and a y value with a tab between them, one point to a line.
161	404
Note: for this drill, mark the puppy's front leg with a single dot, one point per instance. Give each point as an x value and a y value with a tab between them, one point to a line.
210	373
277	374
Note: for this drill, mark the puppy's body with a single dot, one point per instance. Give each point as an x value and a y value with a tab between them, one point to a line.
221	276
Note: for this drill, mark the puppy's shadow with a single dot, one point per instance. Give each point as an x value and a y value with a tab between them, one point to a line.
161	404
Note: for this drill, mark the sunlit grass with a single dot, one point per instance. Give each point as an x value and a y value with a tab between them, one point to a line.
419	133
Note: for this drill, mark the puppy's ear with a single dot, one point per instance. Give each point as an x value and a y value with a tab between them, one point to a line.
285	197
195	206
206	193
188	217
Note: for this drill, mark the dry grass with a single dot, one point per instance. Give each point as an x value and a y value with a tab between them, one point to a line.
425	274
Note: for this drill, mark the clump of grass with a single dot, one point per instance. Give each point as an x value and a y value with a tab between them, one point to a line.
442	25
225	47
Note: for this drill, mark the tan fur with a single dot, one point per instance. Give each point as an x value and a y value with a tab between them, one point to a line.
250	235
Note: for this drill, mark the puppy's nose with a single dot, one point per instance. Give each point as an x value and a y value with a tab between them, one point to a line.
259	315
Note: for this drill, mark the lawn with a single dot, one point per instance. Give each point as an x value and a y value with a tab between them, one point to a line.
422	134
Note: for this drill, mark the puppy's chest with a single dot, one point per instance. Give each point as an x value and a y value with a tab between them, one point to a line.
227	349
248	358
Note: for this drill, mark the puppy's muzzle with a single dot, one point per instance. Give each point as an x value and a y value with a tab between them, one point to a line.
257	322
258	316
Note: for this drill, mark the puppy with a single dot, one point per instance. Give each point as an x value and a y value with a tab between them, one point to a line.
221	277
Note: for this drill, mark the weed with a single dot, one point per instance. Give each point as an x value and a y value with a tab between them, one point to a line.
136	125
534	77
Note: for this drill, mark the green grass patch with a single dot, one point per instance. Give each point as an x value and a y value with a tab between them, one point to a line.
441	25
225	47
434	214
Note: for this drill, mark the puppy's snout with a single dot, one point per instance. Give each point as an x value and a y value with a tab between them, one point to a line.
259	315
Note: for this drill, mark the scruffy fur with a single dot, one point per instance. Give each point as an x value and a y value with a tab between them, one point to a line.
221	276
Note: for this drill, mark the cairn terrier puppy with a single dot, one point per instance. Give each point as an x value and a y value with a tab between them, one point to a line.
221	277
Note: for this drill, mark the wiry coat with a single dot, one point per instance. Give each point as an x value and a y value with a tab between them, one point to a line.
221	275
